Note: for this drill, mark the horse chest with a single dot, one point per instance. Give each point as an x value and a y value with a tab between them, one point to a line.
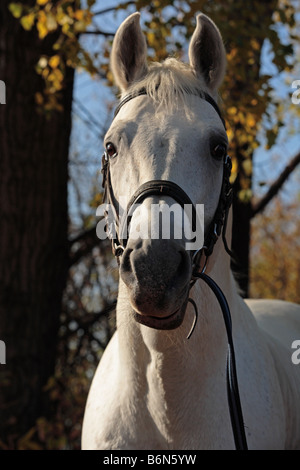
127	413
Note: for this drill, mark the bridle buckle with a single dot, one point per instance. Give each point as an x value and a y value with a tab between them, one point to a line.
196	258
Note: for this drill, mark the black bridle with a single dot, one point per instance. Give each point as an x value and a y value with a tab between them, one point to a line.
167	188
118	234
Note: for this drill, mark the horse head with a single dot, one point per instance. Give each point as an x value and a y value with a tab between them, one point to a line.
166	146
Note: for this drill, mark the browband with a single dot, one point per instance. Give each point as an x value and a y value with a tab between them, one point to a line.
143	91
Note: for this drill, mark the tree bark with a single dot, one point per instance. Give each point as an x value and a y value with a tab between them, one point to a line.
33	214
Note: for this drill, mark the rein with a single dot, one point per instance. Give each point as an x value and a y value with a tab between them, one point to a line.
217	227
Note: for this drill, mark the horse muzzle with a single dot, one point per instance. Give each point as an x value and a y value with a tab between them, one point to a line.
157	274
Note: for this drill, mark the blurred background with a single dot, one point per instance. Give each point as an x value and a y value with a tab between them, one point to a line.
58	282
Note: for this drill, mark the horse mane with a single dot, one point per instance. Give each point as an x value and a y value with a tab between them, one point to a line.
169	82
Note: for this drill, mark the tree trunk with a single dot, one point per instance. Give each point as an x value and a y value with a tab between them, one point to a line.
242	213
244	80
33	214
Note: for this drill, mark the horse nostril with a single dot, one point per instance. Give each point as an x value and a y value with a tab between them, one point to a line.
162	265
184	266
125	261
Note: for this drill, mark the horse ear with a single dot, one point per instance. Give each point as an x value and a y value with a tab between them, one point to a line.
206	52
129	53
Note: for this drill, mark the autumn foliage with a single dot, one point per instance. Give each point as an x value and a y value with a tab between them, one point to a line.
250	107
275	267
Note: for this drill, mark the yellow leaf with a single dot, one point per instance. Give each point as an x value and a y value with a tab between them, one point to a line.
62	17
67	30
41	24
79	15
234	165
39	98
230	133
56	79
45	73
51	22
247	165
42	2
232	110
80	26
245	195
151	38
54	61
16	9
43	31
27	21
255	44
251	122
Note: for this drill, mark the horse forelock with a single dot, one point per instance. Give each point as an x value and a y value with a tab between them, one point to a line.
168	83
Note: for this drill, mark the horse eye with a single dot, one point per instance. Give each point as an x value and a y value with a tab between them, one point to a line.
111	150
219	151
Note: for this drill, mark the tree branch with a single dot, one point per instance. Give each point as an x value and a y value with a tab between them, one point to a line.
99	32
108	10
98	128
87	241
260	205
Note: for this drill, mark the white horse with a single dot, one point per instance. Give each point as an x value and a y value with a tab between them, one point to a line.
154	388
